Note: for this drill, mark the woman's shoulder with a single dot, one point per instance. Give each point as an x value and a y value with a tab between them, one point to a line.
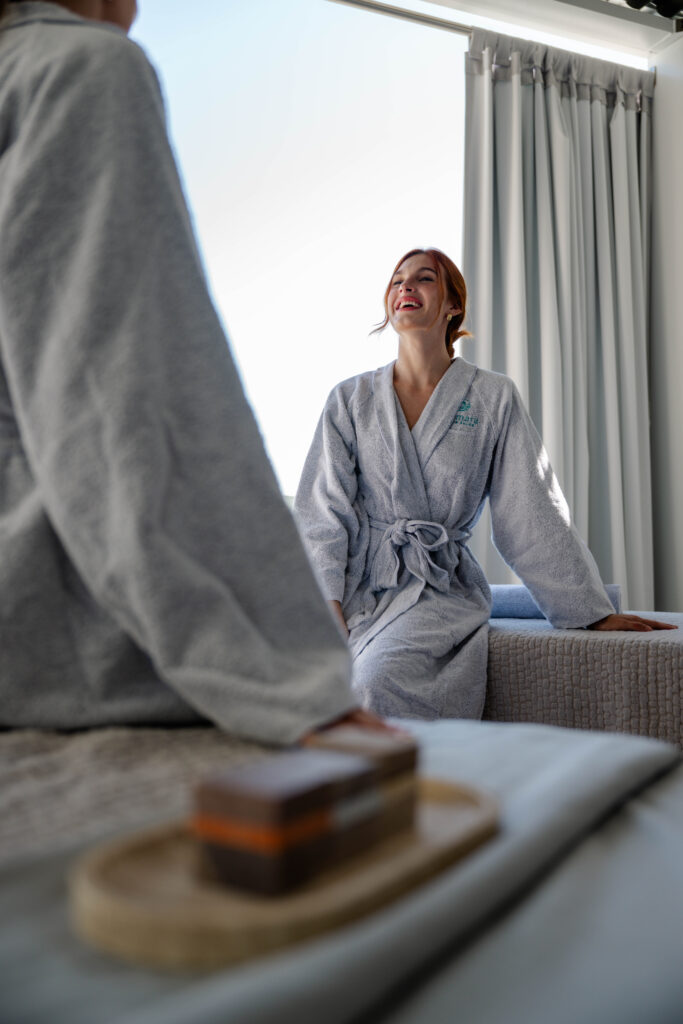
489	384
489	394
110	54
66	47
359	388
76	76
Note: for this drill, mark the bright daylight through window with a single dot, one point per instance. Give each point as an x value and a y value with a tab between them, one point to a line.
317	144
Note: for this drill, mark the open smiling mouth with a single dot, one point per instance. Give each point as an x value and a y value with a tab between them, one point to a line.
408	305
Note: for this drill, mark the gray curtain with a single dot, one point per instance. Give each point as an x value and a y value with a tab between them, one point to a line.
555	254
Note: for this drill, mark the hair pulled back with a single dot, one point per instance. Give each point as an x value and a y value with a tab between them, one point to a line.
4	4
451	282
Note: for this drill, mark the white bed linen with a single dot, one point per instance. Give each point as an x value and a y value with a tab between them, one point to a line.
556	786
598	941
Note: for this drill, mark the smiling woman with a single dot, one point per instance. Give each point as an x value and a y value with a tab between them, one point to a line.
402	463
307	170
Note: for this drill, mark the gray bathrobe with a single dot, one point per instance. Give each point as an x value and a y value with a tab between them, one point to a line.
149	569
386	513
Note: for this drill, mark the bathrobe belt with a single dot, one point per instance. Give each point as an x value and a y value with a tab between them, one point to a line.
413	542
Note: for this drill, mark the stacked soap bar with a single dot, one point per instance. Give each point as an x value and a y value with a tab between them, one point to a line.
272	824
394	754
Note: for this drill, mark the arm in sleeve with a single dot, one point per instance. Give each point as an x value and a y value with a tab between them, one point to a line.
324	503
532	527
131	413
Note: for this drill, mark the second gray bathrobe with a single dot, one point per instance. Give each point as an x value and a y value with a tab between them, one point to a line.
387	511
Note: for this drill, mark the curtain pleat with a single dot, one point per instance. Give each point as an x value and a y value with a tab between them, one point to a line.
556	257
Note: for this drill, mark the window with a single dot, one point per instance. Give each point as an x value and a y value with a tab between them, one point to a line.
317	143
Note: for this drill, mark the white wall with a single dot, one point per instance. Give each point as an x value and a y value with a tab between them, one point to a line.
666	354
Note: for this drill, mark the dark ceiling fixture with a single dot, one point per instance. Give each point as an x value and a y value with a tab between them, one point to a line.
667	8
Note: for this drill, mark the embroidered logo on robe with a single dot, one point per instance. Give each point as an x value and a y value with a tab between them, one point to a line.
462	417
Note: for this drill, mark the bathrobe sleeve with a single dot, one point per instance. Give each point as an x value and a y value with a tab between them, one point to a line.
324	503
532	527
148	460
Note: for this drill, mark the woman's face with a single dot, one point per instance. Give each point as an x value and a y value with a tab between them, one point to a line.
416	297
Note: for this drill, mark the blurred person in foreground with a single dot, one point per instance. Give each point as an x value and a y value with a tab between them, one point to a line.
150	571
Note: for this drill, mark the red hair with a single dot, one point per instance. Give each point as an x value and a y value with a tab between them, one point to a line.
450	280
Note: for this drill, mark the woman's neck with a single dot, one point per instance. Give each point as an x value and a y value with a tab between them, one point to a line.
421	362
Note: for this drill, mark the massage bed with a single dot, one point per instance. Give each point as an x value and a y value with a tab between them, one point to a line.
572	912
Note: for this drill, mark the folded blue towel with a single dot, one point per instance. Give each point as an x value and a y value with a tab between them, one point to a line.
513	601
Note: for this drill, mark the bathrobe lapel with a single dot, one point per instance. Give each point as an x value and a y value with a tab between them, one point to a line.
408	494
440	411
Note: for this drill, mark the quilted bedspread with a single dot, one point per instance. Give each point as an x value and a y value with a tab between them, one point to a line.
620	682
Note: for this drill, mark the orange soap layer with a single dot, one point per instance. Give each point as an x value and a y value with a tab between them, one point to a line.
261	838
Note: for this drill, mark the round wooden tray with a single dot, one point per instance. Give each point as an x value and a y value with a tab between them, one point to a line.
146	898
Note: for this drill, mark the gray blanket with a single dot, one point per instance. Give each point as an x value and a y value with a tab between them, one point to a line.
59	790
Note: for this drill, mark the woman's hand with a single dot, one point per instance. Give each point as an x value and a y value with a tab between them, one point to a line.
339	615
630	622
362	719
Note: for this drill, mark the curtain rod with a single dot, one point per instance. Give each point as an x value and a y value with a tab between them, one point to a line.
400	12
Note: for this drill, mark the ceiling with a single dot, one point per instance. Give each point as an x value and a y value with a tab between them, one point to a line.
606	22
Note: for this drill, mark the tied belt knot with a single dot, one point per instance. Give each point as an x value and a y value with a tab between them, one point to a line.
413	543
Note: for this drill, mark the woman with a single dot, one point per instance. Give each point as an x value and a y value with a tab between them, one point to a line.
149	569
401	464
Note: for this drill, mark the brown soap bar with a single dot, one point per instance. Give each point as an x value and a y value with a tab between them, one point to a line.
281	787
397	814
392	753
276	873
273	823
